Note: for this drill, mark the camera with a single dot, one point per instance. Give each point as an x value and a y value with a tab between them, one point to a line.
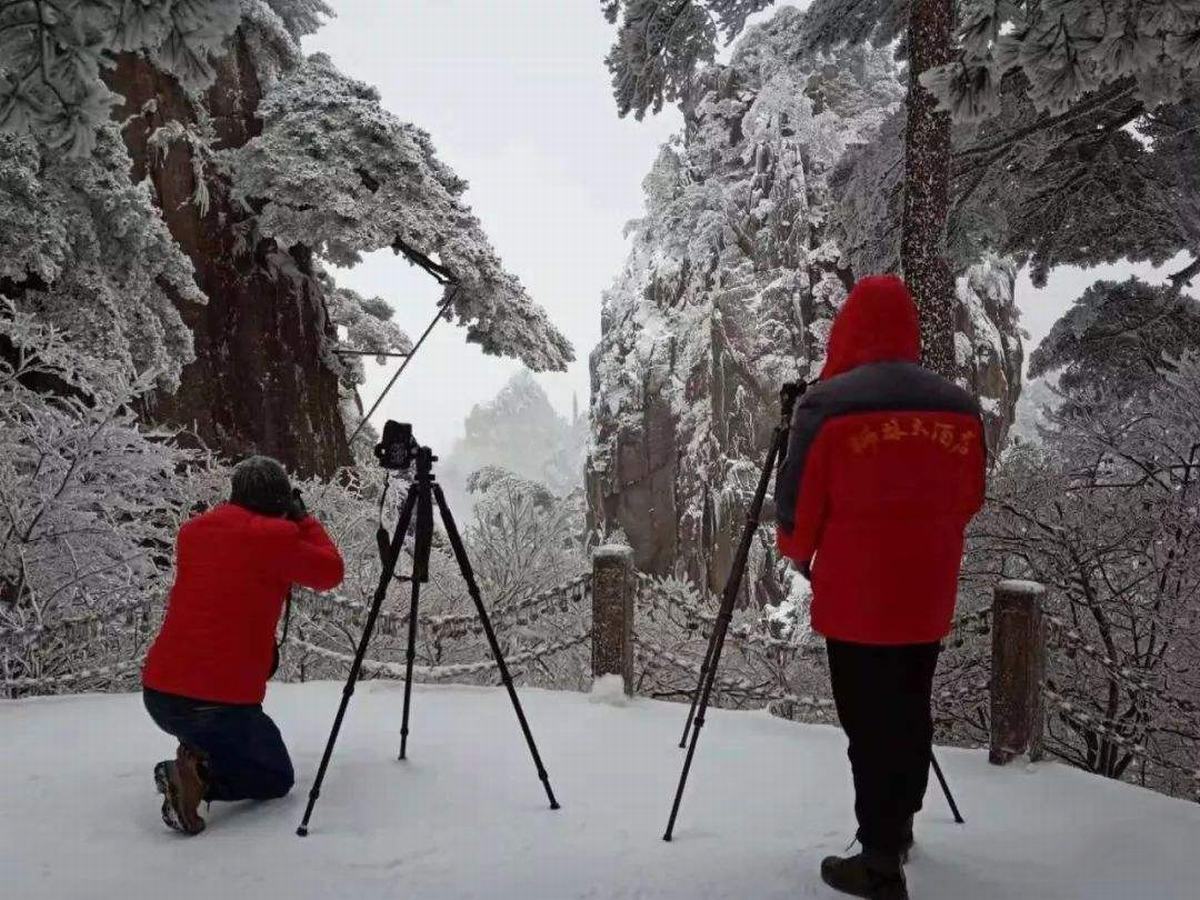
398	448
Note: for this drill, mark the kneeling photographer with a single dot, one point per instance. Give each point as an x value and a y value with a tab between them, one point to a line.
205	676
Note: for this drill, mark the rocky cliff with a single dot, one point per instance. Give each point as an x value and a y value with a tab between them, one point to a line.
733	278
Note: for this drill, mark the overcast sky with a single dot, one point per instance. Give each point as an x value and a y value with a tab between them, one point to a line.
518	102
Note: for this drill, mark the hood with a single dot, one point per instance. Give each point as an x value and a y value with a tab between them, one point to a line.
877	323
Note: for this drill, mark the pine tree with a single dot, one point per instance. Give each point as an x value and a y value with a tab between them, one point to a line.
229	133
661	43
1064	58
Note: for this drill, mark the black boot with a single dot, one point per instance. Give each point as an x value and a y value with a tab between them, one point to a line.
876	876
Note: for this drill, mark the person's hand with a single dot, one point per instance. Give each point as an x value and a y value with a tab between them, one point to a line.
297	512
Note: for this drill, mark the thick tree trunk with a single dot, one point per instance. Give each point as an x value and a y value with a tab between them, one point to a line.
259	383
927	186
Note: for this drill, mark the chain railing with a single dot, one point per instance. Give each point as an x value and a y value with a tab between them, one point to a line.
451	645
767	664
516	623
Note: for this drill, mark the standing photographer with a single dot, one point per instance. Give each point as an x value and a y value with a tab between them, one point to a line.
884	470
205	676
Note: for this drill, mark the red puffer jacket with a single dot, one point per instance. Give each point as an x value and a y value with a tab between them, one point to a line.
884	469
233	571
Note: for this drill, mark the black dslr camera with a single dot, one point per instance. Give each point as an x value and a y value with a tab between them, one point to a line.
398	448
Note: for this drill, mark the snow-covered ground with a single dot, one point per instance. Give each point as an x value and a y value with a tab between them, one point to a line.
466	817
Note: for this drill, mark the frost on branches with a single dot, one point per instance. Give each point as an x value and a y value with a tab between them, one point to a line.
89	507
1105	512
52	53
735	274
337	172
1066	49
86	251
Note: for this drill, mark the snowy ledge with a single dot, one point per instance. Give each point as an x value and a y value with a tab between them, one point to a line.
612	551
1018	586
466	817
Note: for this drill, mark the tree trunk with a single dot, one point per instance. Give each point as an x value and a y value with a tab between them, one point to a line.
927	186
259	383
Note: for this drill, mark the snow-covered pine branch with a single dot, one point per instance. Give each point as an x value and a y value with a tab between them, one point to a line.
1067	49
87	251
52	53
337	172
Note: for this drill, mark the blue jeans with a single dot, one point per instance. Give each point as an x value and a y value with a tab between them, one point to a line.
245	757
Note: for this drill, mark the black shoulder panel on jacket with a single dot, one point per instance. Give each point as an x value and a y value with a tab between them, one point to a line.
878	387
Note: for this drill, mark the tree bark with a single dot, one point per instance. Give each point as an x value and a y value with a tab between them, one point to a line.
927	159
259	383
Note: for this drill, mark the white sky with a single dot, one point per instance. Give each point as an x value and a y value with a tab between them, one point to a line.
517	99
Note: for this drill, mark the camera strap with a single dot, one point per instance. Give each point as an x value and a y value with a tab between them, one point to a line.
382	539
287	620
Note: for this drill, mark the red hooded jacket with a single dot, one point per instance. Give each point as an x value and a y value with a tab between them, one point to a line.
233	569
884	469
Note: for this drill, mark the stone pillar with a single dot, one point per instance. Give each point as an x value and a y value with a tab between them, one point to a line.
1018	669
613	585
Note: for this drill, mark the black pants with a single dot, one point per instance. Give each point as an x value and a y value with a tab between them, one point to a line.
882	696
245	755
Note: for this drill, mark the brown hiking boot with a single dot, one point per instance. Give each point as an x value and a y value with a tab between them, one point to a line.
175	813
183	788
191	767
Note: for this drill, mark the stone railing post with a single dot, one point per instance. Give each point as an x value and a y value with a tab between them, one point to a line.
613	587
1018	669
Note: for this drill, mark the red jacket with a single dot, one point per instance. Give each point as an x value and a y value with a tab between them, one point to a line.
233	571
884	469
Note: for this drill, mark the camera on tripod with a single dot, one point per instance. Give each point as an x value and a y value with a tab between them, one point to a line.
397	451
398	448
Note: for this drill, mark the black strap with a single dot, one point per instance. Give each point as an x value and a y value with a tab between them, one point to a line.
287	619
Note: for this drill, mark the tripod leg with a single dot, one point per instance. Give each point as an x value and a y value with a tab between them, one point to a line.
704	666
410	654
728	598
385	578
423	543
937	770
464	565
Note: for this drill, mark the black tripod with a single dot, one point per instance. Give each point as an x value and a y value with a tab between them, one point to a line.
788	396
422	495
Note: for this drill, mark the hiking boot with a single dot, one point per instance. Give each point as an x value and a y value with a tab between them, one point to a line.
178	813
876	876
191	767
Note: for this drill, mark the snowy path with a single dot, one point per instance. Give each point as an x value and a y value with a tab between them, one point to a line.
466	816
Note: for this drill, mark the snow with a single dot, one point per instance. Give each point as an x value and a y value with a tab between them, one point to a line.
611	552
466	817
609	689
1018	586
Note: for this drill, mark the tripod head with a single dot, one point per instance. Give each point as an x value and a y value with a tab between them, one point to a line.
789	393
398	449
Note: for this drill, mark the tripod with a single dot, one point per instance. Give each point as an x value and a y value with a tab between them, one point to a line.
788	396
422	494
